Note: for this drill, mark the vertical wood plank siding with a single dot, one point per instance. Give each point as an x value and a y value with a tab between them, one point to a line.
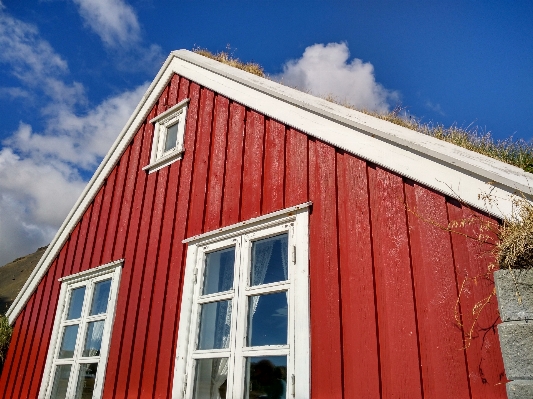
385	278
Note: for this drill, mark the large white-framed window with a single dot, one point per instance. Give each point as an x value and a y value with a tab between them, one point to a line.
77	356
244	317
169	132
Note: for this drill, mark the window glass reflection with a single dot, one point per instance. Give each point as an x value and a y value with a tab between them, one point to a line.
68	343
172	137
86	380
267	319
59	389
218	275
211	378
269	260
266	377
93	339
100	297
76	303
215	325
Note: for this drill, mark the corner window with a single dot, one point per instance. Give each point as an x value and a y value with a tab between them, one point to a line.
169	131
244	322
77	356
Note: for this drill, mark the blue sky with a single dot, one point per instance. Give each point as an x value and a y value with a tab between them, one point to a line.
71	72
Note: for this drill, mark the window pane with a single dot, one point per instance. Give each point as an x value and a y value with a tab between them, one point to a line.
93	339
267	319
100	297
266	377
172	137
86	379
218	275
59	389
68	343
269	260
76	303
210	378
215	324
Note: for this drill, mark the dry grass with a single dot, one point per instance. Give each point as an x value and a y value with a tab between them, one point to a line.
514	250
514	152
5	337
227	58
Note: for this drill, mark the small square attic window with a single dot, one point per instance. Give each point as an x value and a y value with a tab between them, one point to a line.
169	131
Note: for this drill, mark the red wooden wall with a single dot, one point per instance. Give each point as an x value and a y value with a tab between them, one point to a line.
384	277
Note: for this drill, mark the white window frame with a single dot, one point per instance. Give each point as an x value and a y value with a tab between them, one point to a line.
160	158
295	222
86	278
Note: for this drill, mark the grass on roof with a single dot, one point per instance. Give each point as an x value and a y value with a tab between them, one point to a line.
514	152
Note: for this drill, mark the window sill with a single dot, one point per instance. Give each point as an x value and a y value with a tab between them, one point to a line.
163	161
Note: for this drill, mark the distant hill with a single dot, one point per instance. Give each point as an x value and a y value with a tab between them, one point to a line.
14	274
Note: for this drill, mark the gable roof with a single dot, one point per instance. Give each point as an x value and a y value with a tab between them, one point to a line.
448	169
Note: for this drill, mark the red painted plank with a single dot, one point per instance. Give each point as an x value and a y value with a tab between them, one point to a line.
9	360
252	165
444	371
120	348
485	364
143	273
82	239
201	163
173	91
215	185
400	371
93	228
233	179
103	222
134	171
326	345
157	312
36	326
359	325
296	186
175	283
274	167
135	256
146	260
114	213
14	380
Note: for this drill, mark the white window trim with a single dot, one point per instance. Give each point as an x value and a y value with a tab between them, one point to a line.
113	270
159	158
295	219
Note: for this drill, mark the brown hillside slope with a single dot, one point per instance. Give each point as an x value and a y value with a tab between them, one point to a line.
13	275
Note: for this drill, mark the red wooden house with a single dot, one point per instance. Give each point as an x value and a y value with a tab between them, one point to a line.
242	239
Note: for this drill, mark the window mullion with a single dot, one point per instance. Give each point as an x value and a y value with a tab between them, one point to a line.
240	316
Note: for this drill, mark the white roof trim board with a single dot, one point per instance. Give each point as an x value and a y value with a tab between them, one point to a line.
449	169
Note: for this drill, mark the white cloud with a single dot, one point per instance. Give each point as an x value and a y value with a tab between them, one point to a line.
435	108
113	20
78	140
42	173
325	70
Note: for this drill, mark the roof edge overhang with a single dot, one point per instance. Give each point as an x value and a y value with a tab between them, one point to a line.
442	166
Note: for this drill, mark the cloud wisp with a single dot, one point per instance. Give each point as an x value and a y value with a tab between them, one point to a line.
113	20
325	70
42	173
117	25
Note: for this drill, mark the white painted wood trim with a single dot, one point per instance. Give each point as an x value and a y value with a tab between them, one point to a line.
247	225
113	270
448	169
294	221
